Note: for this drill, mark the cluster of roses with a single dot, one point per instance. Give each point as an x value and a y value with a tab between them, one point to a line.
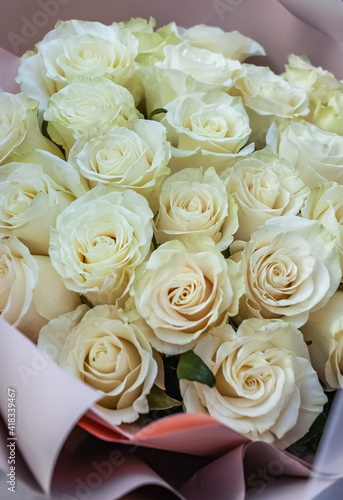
178	200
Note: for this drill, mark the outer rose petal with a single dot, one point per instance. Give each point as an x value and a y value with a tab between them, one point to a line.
266	387
101	348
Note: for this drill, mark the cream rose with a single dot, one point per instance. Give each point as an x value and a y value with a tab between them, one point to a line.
202	64
102	349
324	334
265	386
232	45
315	81
195	201
329	116
291	267
206	129
267	97
31	292
151	42
316	154
159	86
263	186
325	204
183	290
88	103
19	131
98	242
33	192
130	159
73	49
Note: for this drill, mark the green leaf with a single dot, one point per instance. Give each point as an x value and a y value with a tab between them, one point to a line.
226	253
157	111
84	300
191	367
154	242
159	400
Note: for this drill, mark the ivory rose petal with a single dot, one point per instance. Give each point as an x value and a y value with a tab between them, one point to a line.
33	192
195	201
31	291
126	158
265	386
206	129
183	290
291	267
263	186
76	49
88	103
100	347
98	242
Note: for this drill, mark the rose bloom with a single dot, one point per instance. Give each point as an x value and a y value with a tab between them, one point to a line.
31	291
316	154
329	116
265	386
325	204
135	158
232	45
85	104
33	192
206	129
19	130
98	242
183	290
151	42
202	64
194	201
315	81
263	186
267	97
159	86
73	49
324	334
291	267
102	349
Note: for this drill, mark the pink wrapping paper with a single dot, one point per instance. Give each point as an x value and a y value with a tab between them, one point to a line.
194	457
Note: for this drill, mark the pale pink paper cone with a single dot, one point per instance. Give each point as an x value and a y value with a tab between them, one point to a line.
8	71
49	401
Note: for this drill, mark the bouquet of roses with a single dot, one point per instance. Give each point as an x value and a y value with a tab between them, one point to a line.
172	224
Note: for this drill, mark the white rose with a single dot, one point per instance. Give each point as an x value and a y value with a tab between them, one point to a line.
314	80
324	334
19	131
316	154
268	97
151	42
202	64
291	267
195	201
232	45
31	292
162	85
183	290
77	48
206	129
98	242
130	159
263	186
329	117
102	349
265	386
325	204
33	192
88	103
